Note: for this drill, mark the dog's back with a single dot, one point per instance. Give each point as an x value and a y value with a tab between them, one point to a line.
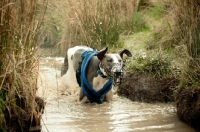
68	70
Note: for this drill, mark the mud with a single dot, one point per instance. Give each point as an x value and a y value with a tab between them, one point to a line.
145	88
188	106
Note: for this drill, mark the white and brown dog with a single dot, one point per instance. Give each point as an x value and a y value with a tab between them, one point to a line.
94	71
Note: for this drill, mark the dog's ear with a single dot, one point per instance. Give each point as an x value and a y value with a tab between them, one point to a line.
102	53
125	51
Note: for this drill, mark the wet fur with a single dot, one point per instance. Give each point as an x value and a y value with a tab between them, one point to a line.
72	59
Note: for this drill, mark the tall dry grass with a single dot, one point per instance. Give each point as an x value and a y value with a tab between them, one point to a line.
186	31
187	25
52	24
19	24
97	23
181	30
52	28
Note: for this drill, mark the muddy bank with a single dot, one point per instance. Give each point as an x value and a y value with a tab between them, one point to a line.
141	87
145	88
22	116
188	106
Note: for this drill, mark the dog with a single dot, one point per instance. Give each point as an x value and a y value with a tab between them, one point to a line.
94	71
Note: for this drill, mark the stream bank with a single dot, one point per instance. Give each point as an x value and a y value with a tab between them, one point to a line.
145	88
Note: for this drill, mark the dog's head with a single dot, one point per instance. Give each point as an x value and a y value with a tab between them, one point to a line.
111	65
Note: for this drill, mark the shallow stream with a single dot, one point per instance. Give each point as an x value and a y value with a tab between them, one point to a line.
64	114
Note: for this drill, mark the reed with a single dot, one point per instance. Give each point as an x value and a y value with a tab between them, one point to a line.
186	32
187	25
180	30
97	23
18	64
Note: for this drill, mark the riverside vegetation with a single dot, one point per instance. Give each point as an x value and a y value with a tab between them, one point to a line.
162	35
20	22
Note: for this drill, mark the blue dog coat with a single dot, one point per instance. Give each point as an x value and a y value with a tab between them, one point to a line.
93	96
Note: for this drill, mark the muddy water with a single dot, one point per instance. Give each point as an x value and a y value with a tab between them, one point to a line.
64	114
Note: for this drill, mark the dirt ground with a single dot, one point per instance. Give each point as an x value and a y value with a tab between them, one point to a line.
22	117
188	106
145	88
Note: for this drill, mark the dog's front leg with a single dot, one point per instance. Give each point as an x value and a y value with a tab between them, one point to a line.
82	98
109	96
81	95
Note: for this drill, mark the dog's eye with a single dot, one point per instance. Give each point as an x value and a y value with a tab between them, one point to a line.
109	60
120	61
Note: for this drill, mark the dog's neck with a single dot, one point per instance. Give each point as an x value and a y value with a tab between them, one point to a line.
99	72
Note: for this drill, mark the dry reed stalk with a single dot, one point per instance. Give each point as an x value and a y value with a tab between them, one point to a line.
18	62
97	23
186	31
187	24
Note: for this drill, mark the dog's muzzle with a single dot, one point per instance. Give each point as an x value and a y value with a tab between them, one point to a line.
116	71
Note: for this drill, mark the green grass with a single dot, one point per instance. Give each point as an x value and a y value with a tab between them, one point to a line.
156	12
155	62
138	23
137	41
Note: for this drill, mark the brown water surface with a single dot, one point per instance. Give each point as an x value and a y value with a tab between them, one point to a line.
64	114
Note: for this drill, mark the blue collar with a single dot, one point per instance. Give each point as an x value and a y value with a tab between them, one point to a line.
99	72
93	96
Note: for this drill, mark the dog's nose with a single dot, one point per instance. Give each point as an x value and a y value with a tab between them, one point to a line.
117	72
116	68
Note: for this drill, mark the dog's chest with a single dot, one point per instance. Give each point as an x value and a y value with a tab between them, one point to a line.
99	82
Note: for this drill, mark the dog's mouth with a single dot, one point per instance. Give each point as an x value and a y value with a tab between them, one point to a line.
115	71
